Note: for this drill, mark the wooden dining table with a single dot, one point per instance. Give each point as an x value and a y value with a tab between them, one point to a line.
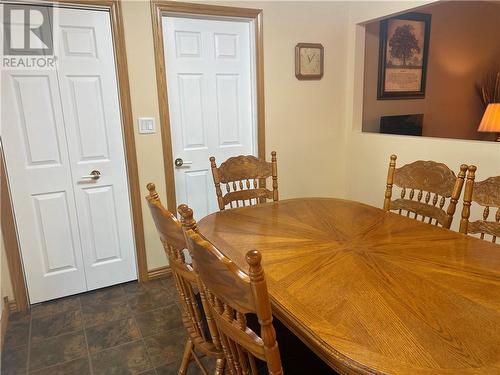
370	291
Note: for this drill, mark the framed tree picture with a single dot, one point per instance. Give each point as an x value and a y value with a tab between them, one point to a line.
403	53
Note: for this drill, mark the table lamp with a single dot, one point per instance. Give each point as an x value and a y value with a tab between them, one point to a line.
491	120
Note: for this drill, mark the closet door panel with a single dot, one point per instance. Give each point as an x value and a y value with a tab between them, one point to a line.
91	109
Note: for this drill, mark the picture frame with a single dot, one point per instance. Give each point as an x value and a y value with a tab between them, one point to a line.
403	56
309	61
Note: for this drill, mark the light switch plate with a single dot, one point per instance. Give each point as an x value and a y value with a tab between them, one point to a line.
146	125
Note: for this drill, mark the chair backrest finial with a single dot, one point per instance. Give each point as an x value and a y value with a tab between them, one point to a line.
152	190
390	182
187	217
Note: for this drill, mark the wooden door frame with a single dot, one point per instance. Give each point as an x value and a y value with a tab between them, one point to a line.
12	250
158	9
11	244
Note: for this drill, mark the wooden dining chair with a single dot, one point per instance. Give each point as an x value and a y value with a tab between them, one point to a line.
201	330
232	293
243	177
486	194
425	188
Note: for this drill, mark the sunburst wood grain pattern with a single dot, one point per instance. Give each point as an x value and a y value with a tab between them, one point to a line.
243	180
186	281
486	194
372	291
425	188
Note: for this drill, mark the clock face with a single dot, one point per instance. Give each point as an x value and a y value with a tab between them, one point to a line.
310	61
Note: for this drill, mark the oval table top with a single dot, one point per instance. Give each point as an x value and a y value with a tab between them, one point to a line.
371	291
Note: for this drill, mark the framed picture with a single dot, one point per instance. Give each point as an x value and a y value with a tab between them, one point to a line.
404	48
309	61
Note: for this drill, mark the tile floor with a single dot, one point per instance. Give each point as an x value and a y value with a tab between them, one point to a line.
126	329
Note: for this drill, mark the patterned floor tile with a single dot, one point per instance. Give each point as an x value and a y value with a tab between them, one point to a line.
113	321
18	330
57	350
134	287
169	284
56	306
149	372
17	317
167	347
112	334
168	369
45	326
14	360
161	320
149	300
110	295
124	360
95	314
193	368
79	366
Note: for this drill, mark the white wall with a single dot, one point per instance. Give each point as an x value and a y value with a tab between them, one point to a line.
367	154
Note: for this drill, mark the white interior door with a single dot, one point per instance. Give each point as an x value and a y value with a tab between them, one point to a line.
91	107
210	67
75	233
39	171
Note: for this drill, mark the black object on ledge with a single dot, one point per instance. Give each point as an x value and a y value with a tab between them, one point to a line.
402	124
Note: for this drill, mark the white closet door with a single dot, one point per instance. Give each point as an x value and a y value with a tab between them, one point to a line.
75	233
91	107
38	167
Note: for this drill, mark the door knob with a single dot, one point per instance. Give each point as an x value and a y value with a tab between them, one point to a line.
179	162
94	175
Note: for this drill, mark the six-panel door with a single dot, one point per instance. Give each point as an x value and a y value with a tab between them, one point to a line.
210	68
91	108
39	172
75	232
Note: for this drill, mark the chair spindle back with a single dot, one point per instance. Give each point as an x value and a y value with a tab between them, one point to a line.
186	280
231	294
243	179
425	188
486	194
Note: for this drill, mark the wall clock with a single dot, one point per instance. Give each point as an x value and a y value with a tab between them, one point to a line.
309	61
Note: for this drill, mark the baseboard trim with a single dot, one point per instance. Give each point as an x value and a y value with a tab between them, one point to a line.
4	321
13	306
159	273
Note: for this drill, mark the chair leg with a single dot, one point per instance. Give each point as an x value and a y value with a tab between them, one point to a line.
198	362
220	364
185	358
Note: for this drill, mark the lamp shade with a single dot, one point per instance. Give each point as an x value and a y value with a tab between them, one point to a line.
491	119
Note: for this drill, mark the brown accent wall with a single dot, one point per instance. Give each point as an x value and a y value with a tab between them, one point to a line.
464	44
